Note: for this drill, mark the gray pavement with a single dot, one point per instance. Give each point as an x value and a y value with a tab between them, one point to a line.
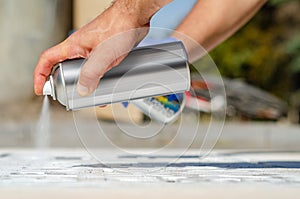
235	135
147	173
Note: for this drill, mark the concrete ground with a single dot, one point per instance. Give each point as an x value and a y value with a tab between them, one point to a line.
18	128
234	135
249	160
143	173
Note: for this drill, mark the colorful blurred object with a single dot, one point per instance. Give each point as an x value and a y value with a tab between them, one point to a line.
164	109
242	99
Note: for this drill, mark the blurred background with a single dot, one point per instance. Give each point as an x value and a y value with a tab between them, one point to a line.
260	65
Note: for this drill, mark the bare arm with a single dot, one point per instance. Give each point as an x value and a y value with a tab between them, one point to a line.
212	21
209	23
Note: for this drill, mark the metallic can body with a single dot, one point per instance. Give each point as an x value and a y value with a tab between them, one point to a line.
145	72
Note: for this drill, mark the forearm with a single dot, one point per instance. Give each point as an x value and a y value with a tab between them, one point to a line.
212	21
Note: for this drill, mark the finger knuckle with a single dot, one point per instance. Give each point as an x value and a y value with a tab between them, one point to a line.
45	54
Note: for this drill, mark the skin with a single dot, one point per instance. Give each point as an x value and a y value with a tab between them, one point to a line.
209	23
122	16
217	21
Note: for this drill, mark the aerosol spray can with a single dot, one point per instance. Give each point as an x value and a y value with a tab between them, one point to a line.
150	77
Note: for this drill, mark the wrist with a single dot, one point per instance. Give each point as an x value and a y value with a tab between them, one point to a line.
147	8
140	12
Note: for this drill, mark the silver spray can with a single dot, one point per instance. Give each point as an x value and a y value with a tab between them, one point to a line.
146	72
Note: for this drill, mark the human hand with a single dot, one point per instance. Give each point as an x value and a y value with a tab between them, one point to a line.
105	42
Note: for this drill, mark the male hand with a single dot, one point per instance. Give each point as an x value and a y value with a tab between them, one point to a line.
105	41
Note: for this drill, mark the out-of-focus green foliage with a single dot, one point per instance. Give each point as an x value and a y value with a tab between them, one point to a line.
293	48
277	2
266	51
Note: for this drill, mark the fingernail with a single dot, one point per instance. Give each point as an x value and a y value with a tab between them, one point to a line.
82	90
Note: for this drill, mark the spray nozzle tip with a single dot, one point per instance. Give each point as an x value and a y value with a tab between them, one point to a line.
47	90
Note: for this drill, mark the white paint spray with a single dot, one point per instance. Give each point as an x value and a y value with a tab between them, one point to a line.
43	127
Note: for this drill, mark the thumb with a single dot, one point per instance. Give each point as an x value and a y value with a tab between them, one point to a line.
102	59
105	55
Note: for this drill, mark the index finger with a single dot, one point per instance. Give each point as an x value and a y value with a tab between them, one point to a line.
49	58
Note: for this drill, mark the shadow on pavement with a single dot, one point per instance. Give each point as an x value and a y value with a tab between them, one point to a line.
232	165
